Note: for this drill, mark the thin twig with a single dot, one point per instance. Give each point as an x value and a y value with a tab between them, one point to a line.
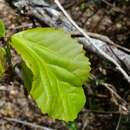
118	67
122	106
107	40
106	85
102	38
116	9
22	26
118	124
102	112
27	123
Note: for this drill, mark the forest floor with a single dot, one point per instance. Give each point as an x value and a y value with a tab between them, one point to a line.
101	112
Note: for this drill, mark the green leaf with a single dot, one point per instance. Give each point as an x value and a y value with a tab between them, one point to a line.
59	68
27	77
72	126
2	29
2	61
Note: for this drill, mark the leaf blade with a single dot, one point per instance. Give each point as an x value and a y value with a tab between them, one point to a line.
2	61
2	29
56	87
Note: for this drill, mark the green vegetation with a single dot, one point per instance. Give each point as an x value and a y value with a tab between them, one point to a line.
54	70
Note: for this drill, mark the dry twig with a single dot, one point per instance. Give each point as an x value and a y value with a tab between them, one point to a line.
116	9
119	121
119	100
27	123
90	41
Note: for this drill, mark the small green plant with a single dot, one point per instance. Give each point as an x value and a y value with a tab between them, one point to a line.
2	61
54	69
72	125
2	29
2	50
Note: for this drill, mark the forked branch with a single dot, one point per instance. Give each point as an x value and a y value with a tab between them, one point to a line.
90	41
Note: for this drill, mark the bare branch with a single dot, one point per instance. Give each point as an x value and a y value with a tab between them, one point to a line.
119	121
122	103
90	41
27	123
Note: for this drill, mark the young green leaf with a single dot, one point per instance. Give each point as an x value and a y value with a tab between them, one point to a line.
2	29
27	76
59	68
2	61
72	125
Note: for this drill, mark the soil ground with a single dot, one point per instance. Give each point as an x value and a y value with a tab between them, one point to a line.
100	113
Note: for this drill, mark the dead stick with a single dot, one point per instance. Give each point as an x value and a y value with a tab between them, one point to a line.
27	123
118	67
